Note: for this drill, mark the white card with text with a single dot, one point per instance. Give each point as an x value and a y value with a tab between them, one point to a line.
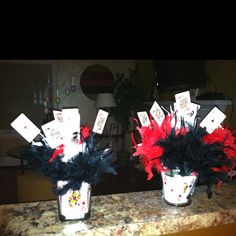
212	120
53	133
157	113
71	123
25	127
100	121
144	119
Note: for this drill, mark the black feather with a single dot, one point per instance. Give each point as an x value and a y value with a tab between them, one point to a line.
188	153
84	167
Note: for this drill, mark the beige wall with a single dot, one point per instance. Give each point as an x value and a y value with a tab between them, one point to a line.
18	82
68	68
223	74
19	79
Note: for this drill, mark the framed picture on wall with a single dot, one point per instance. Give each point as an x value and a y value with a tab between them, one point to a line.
114	129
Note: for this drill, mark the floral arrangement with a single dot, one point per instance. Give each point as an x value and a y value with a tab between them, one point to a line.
67	151
176	141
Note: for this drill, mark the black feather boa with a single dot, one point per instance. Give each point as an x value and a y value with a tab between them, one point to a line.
189	154
88	166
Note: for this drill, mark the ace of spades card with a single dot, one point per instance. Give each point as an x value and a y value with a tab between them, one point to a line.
212	120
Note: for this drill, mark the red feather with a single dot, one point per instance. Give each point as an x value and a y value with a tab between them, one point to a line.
150	154
226	138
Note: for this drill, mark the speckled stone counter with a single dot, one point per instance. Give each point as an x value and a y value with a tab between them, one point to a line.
137	213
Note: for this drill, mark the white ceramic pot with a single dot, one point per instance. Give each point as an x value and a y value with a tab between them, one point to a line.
74	205
177	190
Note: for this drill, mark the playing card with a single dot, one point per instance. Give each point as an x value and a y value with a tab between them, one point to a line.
143	117
53	133
58	115
157	113
183	101
212	120
189	116
25	127
100	121
71	123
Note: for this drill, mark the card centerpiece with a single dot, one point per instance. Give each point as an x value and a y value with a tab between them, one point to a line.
184	150
69	156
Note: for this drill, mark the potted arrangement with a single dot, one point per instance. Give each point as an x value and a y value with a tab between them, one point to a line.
183	150
69	156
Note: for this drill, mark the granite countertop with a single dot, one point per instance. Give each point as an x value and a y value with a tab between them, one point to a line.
123	214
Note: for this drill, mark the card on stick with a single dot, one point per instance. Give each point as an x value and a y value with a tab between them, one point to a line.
53	133
71	123
212	120
58	115
143	117
157	113
183	101
100	121
25	127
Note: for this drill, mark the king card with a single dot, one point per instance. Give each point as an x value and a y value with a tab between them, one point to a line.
183	101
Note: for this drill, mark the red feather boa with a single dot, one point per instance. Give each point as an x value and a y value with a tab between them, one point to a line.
150	154
225	137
